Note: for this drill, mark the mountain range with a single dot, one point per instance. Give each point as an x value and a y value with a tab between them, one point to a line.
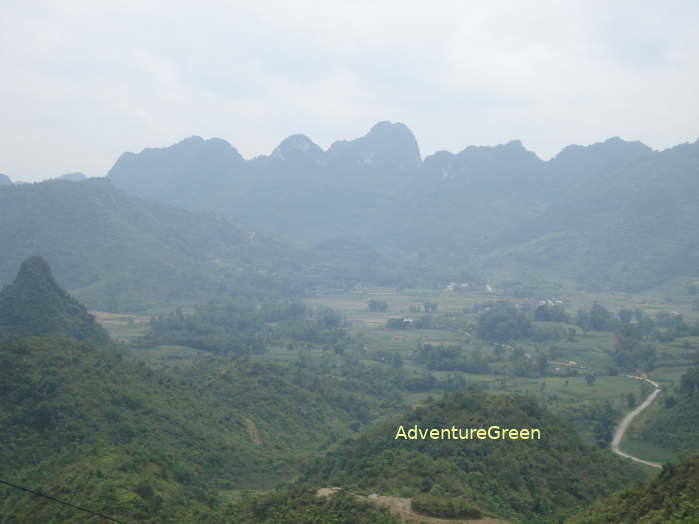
196	219
612	215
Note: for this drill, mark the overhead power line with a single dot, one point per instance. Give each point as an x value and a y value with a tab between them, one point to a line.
54	499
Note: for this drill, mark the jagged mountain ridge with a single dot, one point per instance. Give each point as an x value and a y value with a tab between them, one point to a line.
497	210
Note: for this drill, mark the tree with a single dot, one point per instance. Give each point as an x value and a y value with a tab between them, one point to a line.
377	306
600	318
625	315
590	379
503	323
546	313
689	383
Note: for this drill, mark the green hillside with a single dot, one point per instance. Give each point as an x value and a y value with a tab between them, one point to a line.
302	506
81	423
104	427
675	425
522	480
117	252
670	498
631	230
35	305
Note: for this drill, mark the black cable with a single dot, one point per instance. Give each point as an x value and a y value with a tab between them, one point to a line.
39	494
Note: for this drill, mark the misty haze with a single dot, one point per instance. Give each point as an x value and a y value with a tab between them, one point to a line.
349	263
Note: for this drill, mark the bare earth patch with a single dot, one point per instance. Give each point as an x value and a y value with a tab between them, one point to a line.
253	432
401	508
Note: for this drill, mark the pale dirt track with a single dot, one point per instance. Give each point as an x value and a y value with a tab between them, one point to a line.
626	422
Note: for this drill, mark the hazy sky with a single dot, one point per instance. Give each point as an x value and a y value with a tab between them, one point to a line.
81	83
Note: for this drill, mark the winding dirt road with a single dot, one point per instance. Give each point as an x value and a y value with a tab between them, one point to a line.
626	422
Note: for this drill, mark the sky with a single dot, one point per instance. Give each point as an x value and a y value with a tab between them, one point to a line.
83	82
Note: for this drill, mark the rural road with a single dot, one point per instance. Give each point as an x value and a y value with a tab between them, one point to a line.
626	422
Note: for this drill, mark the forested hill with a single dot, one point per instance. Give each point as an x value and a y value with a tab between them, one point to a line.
84	424
521	480
115	251
35	305
676	425
670	498
614	215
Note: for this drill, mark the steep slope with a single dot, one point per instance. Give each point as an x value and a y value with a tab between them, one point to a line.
636	229
523	480
186	174
675	426
5	180
670	498
80	422
114	251
35	305
83	424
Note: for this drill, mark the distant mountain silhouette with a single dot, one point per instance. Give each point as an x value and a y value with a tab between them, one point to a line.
34	305
498	210
73	177
387	145
596	159
184	174
4	179
298	150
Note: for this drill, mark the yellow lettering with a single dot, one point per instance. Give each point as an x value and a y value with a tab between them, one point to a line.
400	433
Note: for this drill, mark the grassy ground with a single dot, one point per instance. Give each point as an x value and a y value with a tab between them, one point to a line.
123	327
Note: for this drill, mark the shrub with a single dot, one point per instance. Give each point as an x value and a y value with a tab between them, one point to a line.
444	506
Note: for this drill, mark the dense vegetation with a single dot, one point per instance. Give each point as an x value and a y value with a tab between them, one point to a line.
444	506
302	506
670	498
675	425
524	480
246	327
80	422
150	445
35	305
